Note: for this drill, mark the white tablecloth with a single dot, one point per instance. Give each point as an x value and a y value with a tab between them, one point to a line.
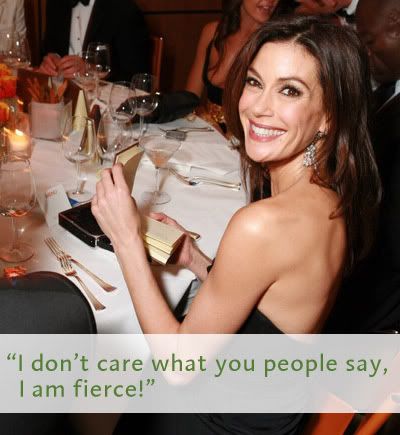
204	209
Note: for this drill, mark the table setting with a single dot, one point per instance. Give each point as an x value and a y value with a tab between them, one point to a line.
201	178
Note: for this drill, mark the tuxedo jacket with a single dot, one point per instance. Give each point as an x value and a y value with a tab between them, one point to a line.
370	298
119	23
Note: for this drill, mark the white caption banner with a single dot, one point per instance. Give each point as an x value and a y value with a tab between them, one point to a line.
200	373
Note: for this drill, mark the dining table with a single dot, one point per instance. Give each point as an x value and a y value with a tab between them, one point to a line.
202	208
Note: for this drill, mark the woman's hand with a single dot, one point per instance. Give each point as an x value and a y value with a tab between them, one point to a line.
188	255
114	208
183	256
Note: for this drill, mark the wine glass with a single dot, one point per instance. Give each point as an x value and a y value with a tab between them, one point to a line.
159	149
17	198
85	75
79	143
122	106
146	96
109	140
17	53
102	61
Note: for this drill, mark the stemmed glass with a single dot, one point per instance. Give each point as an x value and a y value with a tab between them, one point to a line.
86	76
122	106
17	198
146	96
102	60
17	53
109	139
79	143
159	150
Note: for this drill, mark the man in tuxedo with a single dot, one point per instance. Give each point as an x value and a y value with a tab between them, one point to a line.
72	24
370	299
345	9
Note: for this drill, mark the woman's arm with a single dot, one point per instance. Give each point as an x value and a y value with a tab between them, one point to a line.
236	283
195	80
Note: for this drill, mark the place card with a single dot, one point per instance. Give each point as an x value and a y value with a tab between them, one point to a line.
54	201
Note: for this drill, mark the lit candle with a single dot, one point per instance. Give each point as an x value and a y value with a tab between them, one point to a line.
19	143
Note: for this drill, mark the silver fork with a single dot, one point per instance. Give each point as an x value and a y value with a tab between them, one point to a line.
70	271
58	251
194	181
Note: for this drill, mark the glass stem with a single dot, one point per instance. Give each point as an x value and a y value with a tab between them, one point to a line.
15	239
141	126
78	175
121	135
97	87
157	180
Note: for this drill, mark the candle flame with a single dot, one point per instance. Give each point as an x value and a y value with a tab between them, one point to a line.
19	132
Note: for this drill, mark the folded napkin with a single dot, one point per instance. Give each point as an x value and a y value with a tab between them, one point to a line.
208	152
207	155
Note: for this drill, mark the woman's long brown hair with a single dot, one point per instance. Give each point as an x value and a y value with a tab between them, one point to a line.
345	158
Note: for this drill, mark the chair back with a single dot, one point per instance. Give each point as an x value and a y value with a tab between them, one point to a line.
44	303
157	47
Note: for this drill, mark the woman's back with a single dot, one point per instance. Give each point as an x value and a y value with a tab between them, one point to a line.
309	255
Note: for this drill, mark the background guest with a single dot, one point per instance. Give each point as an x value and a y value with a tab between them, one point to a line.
71	25
345	9
12	16
370	299
220	43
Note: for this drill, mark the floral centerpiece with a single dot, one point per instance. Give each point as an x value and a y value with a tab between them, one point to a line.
8	91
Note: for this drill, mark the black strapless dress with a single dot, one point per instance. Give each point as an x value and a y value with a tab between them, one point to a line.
250	424
219	424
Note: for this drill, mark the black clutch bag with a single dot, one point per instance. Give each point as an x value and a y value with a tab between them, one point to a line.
173	106
80	222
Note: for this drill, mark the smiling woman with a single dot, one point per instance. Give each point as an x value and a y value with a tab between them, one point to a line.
296	99
281	108
302	90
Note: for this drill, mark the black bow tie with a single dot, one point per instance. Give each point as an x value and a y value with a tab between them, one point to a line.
75	2
382	94
350	18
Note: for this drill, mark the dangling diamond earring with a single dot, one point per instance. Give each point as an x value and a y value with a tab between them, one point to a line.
310	153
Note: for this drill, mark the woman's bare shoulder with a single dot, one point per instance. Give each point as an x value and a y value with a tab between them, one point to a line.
259	220
209	29
207	34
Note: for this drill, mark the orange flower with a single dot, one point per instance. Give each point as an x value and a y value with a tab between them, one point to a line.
8	83
8	86
4	112
4	70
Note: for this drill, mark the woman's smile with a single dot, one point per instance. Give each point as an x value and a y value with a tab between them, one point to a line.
264	133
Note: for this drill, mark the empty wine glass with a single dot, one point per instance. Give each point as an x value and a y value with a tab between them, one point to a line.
102	61
17	53
109	139
85	75
122	107
159	150
146	96
17	198
79	143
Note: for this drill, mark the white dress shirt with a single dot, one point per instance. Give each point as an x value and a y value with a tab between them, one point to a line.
351	8
79	22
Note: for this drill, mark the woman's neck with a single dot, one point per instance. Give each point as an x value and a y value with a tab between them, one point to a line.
247	24
286	175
